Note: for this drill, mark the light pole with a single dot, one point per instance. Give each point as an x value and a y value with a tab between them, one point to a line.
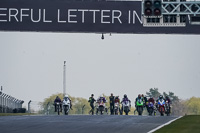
1	90
64	78
29	108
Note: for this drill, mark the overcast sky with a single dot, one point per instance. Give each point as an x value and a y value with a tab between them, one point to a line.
31	64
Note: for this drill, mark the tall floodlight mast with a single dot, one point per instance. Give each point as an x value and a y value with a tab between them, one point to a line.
64	78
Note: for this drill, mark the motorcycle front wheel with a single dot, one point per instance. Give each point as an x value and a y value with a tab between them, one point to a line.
58	110
116	112
150	111
162	112
66	109
140	110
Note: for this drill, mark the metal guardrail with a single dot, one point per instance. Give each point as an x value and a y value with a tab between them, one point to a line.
9	103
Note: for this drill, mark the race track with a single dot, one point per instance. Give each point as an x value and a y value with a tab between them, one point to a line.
81	124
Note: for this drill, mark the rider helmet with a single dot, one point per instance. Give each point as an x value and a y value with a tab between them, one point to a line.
125	96
92	95
139	96
161	97
66	95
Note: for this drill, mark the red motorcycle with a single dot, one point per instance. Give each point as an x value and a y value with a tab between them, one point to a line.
161	107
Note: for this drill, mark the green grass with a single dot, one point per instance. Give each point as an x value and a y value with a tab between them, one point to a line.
15	114
186	124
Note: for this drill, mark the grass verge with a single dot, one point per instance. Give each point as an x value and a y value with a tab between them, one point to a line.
186	124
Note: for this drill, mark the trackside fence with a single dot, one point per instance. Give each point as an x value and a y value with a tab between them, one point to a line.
10	104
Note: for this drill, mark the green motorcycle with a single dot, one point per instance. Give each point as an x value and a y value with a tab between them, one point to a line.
139	106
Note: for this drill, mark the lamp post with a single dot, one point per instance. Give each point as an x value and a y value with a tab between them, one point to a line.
64	78
4	103
29	108
1	90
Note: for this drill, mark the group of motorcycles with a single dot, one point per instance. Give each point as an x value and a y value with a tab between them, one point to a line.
65	105
101	108
161	106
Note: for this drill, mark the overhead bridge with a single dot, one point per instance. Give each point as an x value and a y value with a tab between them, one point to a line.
170	13
101	16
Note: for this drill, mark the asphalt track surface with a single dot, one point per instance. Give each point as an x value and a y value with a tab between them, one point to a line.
81	124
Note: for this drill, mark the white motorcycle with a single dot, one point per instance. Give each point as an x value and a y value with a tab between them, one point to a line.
117	108
66	105
101	107
126	107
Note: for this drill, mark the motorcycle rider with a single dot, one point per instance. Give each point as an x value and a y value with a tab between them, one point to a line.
169	101
145	101
124	100
92	100
58	100
112	104
151	99
117	100
139	97
159	99
101	98
66	97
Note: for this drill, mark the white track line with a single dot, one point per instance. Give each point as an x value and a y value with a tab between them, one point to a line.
164	125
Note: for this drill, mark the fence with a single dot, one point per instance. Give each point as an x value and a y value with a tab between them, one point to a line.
8	103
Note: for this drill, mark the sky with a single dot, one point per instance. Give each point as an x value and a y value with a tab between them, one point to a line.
31	64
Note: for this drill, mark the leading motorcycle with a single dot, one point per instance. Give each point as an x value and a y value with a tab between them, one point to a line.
57	104
66	105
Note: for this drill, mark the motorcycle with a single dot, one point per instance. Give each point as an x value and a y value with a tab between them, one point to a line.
116	108
150	108
126	107
167	108
140	105
66	105
161	106
100	107
57	104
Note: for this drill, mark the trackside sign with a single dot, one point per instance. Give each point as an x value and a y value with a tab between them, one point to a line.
78	16
68	16
65	16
